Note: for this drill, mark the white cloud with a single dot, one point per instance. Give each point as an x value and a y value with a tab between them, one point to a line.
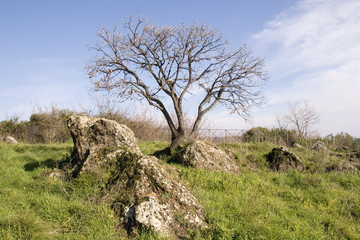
313	52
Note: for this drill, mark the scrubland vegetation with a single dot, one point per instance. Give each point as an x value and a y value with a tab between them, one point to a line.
257	204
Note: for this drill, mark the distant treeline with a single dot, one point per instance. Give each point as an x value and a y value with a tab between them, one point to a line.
49	126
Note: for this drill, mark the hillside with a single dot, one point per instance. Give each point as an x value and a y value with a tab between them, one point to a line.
257	204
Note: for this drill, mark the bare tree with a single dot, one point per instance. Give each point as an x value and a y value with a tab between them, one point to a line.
161	63
301	117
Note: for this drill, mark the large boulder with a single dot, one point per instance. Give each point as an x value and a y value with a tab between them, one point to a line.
281	159
146	195
95	138
202	155
142	193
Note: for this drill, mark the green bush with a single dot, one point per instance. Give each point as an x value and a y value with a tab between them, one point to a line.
342	141
283	136
279	136
43	127
258	134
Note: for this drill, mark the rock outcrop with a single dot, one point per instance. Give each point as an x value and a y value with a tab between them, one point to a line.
142	193
199	154
320	147
146	195
281	159
96	141
347	167
10	140
344	167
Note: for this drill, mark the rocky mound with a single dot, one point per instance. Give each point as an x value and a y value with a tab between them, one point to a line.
203	155
146	195
344	167
95	138
142	193
320	147
354	156
281	159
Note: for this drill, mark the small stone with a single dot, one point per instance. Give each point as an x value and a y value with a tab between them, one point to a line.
296	145
55	175
10	140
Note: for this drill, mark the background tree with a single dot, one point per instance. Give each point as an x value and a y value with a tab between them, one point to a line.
158	63
300	117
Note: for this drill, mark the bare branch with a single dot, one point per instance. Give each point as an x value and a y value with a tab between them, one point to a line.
152	63
300	117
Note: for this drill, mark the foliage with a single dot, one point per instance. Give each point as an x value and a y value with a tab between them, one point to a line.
257	134
280	136
49	126
343	140
44	126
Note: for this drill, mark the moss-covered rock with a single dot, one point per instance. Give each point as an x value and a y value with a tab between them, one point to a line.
146	195
320	147
97	141
142	193
281	159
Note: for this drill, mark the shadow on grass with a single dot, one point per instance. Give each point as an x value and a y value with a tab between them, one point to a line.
48	163
163	154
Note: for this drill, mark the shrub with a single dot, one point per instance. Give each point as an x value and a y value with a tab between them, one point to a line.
342	141
283	136
279	136
44	126
48	127
12	127
258	134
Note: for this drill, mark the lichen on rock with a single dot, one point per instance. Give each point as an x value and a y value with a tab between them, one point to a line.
142	193
344	167
97	140
202	155
145	194
320	147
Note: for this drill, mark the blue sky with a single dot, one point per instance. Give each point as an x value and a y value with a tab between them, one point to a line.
312	51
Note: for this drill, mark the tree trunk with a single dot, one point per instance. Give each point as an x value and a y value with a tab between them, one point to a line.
176	139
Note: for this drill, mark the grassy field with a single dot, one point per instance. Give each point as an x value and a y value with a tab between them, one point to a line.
256	204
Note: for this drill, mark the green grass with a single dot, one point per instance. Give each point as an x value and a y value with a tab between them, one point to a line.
270	205
256	204
34	206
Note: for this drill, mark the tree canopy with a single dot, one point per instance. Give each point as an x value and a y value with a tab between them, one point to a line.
143	61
